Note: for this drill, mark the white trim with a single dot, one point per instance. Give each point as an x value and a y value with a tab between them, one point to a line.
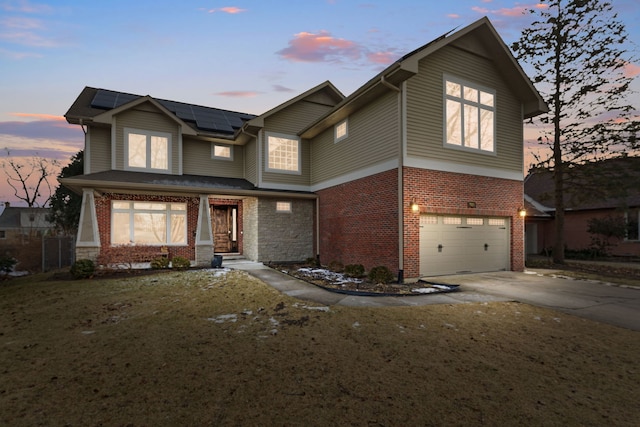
352	176
443	166
283	136
148	133
131	211
88	208
86	156
213	151
337	139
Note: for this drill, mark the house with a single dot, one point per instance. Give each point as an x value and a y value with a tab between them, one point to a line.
19	224
419	170
594	191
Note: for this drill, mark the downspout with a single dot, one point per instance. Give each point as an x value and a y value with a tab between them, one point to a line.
400	178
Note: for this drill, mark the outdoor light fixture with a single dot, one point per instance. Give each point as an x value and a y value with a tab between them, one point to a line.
414	205
522	212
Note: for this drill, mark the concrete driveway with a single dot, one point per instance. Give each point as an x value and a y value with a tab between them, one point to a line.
602	302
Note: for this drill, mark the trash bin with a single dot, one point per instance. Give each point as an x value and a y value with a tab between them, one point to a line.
216	261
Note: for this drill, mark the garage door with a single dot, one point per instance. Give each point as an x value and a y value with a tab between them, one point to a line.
459	244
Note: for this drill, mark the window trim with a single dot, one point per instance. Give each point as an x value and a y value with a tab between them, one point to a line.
472	85
213	151
268	136
280	206
148	133
167	211
337	138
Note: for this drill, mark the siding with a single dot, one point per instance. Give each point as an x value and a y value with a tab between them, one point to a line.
290	121
197	160
99	149
146	117
373	137
250	159
425	111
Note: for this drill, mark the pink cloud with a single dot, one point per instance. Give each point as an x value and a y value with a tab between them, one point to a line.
631	70
509	11
381	57
39	116
310	47
228	9
238	94
453	15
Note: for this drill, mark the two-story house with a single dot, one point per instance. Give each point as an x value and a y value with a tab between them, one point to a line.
419	170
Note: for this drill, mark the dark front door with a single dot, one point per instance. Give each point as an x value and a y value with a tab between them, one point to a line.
223	229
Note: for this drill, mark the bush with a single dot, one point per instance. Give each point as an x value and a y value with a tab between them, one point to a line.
354	270
160	263
7	263
336	266
180	263
380	274
83	269
312	262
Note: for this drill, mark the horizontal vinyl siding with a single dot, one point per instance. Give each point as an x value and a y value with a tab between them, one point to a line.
99	149
425	122
373	137
290	121
250	161
197	160
146	117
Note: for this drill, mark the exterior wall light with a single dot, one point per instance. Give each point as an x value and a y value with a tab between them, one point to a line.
522	212
414	205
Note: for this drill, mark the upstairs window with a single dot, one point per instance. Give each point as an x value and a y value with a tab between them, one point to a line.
146	150
469	116
341	130
221	152
283	153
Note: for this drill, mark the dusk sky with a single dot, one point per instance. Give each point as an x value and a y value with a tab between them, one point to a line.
246	56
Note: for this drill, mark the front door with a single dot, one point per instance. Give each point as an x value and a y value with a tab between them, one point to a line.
224	229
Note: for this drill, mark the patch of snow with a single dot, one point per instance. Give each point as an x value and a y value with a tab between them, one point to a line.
449	325
17	273
315	308
355	325
274	322
425	290
88	332
224	318
322	273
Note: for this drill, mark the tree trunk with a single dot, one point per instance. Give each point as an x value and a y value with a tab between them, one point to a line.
558	165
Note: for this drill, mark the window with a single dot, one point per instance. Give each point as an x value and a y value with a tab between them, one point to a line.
147	150
469	116
632	221
450	220
475	221
341	131
497	221
148	223
283	154
283	206
224	152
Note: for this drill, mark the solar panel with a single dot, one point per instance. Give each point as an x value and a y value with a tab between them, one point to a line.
108	99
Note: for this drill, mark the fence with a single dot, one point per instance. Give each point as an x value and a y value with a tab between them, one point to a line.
57	252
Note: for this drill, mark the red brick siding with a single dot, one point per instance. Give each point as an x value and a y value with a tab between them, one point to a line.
448	193
359	222
103	214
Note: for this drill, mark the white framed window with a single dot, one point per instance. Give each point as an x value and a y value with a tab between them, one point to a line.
475	221
497	221
221	151
469	116
283	207
632	222
145	150
148	223
452	220
341	130
283	153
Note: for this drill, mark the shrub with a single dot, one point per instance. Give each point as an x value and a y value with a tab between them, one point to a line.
312	262
354	270
82	269
380	274
7	263
336	266
180	263
160	263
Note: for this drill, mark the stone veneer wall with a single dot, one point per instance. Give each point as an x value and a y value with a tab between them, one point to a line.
250	228
285	236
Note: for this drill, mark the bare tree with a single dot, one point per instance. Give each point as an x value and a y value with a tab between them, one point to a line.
30	179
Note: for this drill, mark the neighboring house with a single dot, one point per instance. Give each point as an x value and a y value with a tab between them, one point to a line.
419	170
19	224
598	196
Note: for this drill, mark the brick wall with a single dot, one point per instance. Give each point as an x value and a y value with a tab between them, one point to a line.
103	214
449	193
359	222
285	236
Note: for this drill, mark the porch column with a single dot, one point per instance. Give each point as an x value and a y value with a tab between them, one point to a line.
204	234
88	239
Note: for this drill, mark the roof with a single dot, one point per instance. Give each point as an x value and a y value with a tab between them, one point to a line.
24	217
606	184
94	102
139	182
407	66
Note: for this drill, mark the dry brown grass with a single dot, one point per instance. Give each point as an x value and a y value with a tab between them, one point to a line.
193	349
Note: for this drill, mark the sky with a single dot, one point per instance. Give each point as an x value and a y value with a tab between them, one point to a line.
240	55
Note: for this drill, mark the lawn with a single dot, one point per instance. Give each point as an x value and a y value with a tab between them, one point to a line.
220	348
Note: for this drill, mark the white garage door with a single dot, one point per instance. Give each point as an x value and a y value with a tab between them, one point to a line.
454	244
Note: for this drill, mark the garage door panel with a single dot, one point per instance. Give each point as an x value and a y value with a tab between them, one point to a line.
467	244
